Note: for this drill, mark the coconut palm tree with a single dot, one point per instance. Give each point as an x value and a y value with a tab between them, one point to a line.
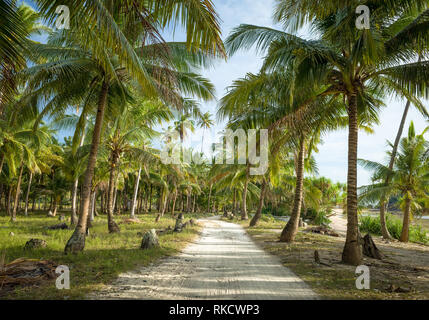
409	176
205	122
361	66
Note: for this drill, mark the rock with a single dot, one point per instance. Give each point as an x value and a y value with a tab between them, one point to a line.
396	289
322	230
34	244
50	214
60	226
150	240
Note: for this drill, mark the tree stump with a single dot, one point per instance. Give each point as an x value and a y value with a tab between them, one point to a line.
179	223
34	244
370	249
150	240
316	257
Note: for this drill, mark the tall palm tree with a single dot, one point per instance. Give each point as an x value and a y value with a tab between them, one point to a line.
361	66
409	176
205	122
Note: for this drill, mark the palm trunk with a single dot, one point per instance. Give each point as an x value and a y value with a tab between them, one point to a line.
193	205
244	215
30	178
210	195
74	197
291	229
111	224
18	191
173	207
234	202
352	253
1	162
258	213
406	222
77	241
136	190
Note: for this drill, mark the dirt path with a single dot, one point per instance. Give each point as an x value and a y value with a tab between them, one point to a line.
223	264
339	222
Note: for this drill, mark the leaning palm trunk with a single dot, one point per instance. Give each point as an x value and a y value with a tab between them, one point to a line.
406	222
290	230
74	208
383	202
111	224
258	213
18	191
244	215
77	240
136	190
352	253
30	178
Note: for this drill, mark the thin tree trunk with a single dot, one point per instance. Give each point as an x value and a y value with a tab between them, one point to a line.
30	178
77	241
406	222
352	253
193	205
18	191
173	207
258	213
136	190
9	196
290	230
150	198
244	215
234	202
1	162
74	197
111	224
210	195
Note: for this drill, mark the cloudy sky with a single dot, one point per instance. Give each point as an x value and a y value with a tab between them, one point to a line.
332	156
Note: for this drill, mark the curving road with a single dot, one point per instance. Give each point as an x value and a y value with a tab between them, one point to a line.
224	263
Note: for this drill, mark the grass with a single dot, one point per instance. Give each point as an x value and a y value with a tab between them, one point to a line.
404	266
105	256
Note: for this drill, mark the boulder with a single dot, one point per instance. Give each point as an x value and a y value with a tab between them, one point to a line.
150	240
34	244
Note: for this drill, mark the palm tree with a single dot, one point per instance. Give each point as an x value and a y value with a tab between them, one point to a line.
409	176
361	66
205	122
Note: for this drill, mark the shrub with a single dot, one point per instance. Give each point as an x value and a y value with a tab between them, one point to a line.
394	225
319	218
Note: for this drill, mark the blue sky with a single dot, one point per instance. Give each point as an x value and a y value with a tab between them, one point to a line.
332	156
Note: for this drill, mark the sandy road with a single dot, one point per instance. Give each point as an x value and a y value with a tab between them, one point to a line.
224	263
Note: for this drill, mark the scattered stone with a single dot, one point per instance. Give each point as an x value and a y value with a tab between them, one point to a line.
396	289
60	226
150	240
34	244
322	230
